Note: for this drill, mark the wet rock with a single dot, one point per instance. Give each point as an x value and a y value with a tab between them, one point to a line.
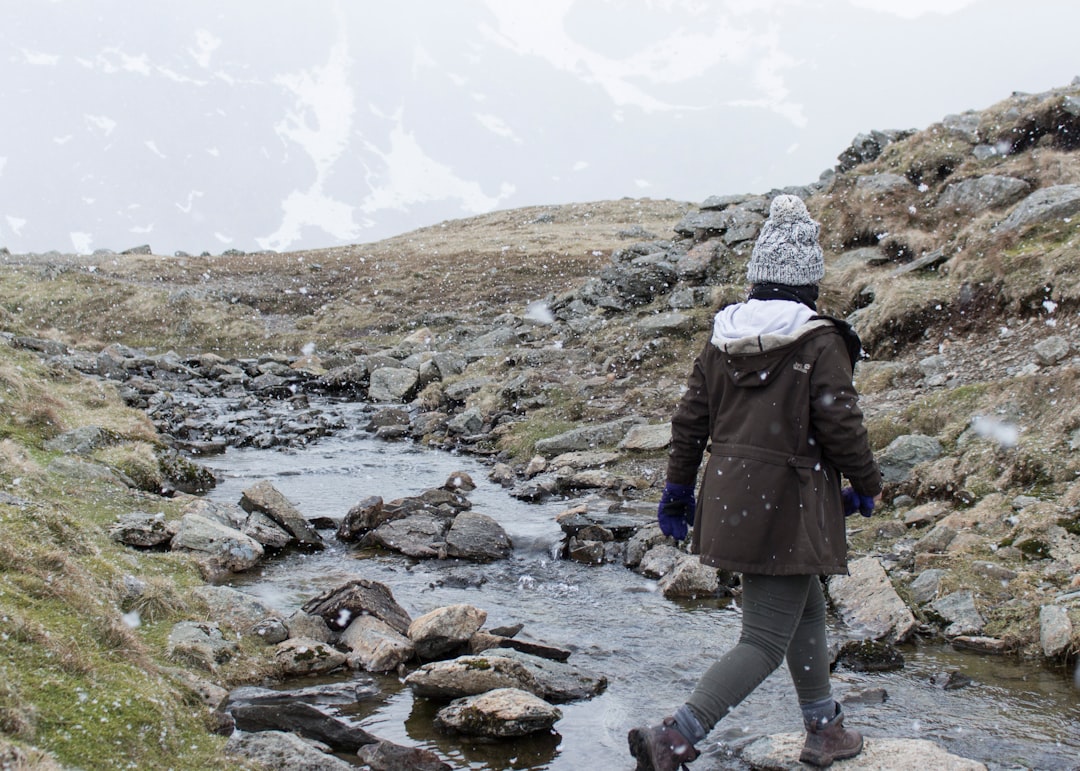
990	645
301	624
308	720
498	714
265	498
141	529
341	693
866	696
467	423
361	518
870	656
641	542
690	579
387	417
622	525
376	646
781	752
271	631
283	751
444	630
477	537
386	756
422	536
266	531
299	656
660	560
339	606
222	545
959	611
950	681
869	605
500	668
485	641
199	644
459	482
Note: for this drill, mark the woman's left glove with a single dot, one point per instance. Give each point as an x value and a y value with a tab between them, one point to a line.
864	504
676	511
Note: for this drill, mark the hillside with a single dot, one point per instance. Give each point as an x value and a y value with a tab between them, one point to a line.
952	249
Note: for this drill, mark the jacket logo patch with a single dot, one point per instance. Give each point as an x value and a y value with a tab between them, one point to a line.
803	368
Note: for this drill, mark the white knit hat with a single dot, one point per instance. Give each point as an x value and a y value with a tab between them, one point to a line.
787	250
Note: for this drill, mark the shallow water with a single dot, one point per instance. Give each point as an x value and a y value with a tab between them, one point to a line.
1015	715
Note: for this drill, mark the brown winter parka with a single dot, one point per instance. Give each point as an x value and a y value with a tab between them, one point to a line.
779	417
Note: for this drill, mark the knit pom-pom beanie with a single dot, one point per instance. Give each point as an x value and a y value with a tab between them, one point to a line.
787	249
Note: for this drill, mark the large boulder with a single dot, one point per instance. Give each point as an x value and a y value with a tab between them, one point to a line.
445	630
300	656
868	603
477	537
283	751
265	498
238	610
498	714
199	644
421	536
393	384
224	546
781	752
1058	202
386	756
376	646
498	668
588	437
340	605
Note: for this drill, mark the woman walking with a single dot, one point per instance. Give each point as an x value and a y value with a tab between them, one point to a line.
771	399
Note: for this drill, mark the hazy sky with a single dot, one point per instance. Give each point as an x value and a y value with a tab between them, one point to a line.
205	125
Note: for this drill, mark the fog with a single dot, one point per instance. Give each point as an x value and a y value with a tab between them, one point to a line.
207	126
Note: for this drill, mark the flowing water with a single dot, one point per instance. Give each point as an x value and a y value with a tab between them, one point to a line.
1014	715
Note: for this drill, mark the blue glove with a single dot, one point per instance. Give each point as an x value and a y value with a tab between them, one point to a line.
676	511
864	504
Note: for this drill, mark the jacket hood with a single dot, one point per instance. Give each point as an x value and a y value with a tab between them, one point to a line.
759	335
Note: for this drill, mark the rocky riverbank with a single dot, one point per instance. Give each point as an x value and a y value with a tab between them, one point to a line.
951	250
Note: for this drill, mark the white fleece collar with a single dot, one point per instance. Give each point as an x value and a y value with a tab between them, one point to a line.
756	319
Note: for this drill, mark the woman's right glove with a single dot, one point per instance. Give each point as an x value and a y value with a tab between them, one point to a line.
676	511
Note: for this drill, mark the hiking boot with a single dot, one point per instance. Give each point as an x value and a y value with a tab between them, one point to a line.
828	740
660	747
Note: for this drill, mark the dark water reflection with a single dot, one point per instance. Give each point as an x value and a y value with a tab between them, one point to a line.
1015	715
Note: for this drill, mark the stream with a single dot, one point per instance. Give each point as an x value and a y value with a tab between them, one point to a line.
1013	715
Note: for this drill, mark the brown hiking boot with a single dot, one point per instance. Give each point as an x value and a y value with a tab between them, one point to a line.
660	747
828	740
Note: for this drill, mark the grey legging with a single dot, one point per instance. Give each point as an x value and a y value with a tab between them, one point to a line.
782	615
